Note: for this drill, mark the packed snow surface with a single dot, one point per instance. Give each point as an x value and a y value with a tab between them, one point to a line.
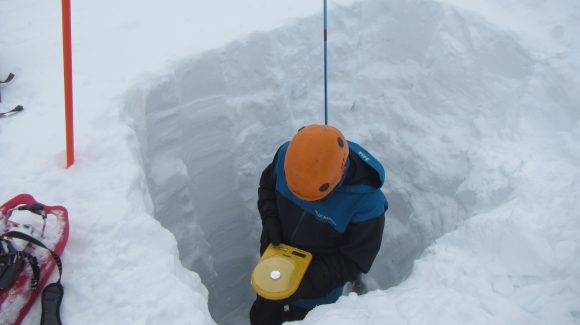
472	107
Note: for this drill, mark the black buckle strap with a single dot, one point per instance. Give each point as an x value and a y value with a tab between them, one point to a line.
19	235
10	262
33	262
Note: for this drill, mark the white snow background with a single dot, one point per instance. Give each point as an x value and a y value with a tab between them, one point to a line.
473	108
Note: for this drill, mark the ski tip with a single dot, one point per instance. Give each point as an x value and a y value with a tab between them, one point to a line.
16	109
9	78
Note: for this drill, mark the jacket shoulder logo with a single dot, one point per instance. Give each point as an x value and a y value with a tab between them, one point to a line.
325	218
363	156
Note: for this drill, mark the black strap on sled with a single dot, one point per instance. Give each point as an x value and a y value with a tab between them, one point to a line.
53	293
7	80
51	300
19	235
10	263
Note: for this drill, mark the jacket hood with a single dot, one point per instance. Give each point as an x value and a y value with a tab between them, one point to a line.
364	172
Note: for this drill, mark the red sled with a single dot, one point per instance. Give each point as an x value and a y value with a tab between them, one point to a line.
16	301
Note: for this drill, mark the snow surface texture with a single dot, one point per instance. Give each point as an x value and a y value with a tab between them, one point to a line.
472	108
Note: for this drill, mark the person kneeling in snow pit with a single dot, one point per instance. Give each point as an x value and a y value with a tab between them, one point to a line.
320	194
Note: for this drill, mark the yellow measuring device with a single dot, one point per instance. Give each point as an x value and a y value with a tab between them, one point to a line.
280	271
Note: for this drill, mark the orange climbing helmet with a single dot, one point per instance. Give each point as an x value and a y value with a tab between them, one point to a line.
315	161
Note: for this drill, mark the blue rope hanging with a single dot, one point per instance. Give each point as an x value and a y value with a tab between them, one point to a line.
325	69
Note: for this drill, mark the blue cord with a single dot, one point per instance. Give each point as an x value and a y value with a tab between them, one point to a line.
325	64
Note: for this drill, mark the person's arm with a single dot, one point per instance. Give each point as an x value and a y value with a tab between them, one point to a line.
330	271
267	206
362	241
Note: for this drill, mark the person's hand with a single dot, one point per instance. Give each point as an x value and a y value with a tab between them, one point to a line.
313	284
305	290
272	230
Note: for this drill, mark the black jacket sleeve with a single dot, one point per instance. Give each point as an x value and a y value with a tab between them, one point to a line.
267	199
267	191
357	253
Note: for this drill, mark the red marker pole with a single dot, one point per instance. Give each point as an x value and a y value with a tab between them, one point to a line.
68	85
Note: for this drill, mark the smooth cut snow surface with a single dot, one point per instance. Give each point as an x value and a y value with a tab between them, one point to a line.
472	107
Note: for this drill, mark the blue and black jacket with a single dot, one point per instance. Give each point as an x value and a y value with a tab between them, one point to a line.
343	232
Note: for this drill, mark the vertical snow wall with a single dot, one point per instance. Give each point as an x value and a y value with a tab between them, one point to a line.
420	85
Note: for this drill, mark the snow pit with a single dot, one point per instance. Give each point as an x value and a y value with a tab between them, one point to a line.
418	84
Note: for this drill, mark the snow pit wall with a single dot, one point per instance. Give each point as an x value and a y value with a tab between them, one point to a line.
418	84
